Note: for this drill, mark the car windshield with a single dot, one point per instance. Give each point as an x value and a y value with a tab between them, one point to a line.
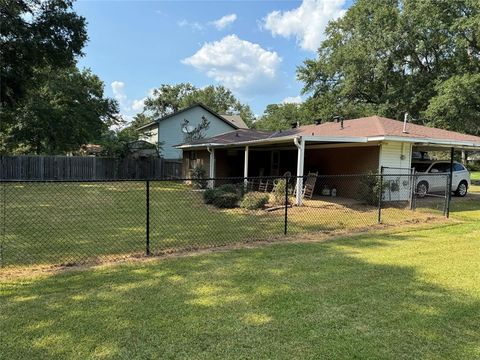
421	167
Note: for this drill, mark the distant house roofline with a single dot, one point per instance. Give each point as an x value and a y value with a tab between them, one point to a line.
189	108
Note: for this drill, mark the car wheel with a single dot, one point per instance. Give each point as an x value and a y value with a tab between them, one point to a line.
422	189
462	189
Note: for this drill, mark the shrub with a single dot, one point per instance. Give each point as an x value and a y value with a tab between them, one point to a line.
228	188
278	193
225	196
199	175
209	195
473	167
370	187
225	200
254	201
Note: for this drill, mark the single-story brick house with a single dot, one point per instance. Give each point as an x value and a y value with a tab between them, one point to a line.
356	146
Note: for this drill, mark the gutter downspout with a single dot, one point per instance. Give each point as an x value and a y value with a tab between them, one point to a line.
300	144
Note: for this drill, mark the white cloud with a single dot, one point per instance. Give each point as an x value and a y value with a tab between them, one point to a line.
127	107
219	24
137	105
118	89
194	25
224	21
292	100
238	64
306	23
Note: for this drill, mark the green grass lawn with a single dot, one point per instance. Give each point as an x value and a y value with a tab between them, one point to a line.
53	223
396	294
69	222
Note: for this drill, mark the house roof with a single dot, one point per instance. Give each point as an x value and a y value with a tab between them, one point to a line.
379	126
234	121
233	137
373	128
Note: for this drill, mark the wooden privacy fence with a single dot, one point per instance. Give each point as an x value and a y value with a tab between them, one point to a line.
31	167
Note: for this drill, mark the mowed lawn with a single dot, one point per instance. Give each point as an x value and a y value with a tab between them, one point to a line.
67	223
396	294
52	223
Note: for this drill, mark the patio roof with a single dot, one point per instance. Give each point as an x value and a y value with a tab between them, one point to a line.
367	129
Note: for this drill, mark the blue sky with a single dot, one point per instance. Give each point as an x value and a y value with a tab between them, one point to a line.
252	47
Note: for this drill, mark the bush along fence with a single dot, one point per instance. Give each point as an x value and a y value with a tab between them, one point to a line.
61	222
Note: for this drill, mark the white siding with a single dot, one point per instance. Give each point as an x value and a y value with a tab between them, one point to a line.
150	134
398	156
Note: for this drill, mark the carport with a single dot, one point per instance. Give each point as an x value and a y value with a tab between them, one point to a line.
450	149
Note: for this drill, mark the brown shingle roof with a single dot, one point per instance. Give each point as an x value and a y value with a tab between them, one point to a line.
235	136
235	120
366	127
379	126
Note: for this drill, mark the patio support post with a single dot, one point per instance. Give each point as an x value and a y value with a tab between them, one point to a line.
211	170
245	167
300	144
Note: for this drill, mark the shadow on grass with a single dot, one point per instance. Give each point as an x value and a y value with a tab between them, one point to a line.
302	300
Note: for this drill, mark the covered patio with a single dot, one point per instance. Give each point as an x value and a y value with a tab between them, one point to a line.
351	147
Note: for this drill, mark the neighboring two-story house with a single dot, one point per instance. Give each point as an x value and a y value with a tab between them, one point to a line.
195	120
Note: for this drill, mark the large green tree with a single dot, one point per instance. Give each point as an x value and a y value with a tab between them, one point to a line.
48	106
115	142
395	56
457	104
171	98
34	34
65	109
282	116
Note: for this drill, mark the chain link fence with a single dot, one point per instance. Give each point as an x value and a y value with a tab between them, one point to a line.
75	222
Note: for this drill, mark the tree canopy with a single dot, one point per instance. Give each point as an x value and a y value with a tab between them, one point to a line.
115	142
282	116
48	105
35	34
64	110
170	98
391	57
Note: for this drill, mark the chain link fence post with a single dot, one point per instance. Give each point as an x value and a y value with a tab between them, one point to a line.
286	205
147	220
450	181
4	225
380	194
448	194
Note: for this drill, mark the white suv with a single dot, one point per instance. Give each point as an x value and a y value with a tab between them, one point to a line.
425	184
